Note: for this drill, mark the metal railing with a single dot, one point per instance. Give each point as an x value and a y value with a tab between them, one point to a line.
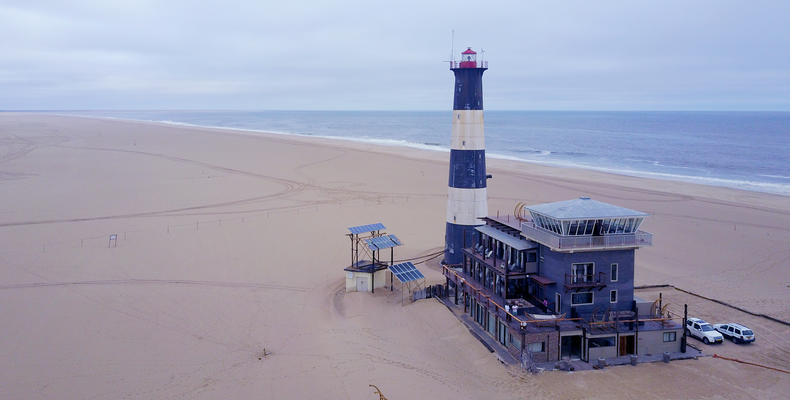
559	242
478	64
585	281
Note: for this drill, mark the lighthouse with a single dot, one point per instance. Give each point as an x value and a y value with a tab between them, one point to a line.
466	197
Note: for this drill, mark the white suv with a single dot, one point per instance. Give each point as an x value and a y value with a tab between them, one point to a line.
703	331
736	332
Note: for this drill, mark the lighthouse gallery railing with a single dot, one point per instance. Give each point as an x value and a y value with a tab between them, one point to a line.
478	64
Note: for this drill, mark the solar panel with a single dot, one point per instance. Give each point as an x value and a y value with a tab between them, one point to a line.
406	272
382	242
366	228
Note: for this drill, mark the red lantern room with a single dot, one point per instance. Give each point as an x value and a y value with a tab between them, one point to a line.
468	58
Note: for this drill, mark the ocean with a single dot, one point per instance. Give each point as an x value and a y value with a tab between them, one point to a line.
744	150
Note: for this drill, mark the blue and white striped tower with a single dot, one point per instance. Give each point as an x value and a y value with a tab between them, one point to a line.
466	200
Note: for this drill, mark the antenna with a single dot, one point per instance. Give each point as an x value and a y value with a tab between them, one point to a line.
452	46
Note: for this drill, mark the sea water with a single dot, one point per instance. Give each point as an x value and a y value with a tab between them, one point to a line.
745	150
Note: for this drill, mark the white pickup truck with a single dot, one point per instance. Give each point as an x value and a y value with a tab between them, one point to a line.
703	331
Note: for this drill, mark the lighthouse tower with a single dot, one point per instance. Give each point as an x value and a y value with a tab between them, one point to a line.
466	201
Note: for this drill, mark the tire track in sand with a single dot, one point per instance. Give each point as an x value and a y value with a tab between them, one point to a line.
291	188
155	282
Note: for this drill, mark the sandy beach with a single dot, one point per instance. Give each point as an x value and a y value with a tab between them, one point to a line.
229	243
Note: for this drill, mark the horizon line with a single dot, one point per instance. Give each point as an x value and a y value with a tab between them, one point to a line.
374	110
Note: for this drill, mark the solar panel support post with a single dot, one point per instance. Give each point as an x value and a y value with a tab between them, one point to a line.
392	262
351	237
373	274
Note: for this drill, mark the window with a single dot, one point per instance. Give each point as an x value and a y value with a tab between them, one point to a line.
514	341
670	336
578	299
532	257
582	272
614	273
539	347
607	341
613	296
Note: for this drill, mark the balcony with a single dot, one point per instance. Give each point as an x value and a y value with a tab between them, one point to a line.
558	242
576	282
500	265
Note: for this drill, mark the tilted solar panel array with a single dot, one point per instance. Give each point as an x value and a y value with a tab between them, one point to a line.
406	272
356	230
382	242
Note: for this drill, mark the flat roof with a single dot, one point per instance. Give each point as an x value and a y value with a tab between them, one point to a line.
583	208
510	240
541	280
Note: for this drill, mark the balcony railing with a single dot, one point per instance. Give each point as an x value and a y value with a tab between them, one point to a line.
559	242
585	281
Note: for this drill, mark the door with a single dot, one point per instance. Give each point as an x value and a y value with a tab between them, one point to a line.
571	347
626	345
362	284
557	303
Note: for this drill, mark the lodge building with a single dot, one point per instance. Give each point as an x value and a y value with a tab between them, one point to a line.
556	282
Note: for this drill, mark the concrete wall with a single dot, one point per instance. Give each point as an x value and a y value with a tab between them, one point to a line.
652	342
381	280
594	353
554	265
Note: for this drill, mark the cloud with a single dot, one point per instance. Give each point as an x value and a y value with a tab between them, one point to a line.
371	55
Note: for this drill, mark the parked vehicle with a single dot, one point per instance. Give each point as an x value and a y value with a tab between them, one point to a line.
735	332
703	331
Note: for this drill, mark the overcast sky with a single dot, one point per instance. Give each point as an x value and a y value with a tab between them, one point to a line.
387	55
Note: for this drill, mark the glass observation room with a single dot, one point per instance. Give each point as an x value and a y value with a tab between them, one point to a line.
586	217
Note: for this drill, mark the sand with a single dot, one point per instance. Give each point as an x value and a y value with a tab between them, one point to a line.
231	243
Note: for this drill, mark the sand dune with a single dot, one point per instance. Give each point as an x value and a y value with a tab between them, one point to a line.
229	244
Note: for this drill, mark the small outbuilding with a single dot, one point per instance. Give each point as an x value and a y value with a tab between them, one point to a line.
369	275
366	276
